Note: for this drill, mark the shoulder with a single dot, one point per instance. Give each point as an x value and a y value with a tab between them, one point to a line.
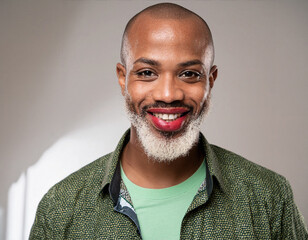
240	173
78	184
68	198
260	191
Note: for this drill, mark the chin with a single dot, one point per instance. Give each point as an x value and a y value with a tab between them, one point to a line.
167	146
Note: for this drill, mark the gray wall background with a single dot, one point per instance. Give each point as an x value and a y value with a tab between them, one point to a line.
57	75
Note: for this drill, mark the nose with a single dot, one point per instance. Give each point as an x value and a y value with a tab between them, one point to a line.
168	89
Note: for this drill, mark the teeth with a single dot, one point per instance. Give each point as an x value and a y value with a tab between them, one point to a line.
167	117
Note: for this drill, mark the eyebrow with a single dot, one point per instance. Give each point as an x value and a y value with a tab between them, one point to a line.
157	64
191	63
148	61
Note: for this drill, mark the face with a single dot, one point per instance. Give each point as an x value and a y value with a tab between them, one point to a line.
166	81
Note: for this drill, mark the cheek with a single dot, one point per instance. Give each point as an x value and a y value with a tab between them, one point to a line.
198	96
139	94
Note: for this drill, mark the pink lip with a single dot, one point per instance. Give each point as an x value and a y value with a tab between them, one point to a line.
168	126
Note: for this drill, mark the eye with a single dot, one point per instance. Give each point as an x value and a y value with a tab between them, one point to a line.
190	75
146	74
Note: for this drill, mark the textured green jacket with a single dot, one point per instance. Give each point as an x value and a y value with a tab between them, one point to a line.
238	200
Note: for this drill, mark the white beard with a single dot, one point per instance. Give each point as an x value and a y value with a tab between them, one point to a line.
162	148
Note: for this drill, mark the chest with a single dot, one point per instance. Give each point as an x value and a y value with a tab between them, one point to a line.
219	218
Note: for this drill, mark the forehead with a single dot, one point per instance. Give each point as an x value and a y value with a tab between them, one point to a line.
149	34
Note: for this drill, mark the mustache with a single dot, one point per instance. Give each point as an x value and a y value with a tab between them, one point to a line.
160	104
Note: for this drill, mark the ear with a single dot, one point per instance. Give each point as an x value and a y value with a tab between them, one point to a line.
121	73
213	75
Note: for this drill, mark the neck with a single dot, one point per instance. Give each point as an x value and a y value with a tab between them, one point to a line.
149	173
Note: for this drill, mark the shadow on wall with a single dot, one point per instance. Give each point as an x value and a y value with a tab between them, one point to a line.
52	78
67	155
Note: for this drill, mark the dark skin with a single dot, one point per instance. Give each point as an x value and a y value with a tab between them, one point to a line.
179	70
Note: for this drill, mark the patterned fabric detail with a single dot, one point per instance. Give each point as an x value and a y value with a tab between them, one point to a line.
123	203
124	193
202	186
246	201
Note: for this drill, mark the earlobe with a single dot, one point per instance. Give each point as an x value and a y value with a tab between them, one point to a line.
213	75
121	73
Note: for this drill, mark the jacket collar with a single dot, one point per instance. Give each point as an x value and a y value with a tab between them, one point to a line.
112	178
212	162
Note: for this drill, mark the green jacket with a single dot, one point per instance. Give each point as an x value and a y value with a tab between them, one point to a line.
238	200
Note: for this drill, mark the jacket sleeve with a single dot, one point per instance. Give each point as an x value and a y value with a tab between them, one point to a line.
42	229
290	225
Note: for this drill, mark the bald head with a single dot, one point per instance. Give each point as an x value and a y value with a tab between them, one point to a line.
168	11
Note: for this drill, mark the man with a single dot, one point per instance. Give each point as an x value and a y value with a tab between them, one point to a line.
164	180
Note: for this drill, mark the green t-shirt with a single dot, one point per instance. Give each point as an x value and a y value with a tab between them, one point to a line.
160	211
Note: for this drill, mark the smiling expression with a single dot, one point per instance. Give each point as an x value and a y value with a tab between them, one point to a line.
167	74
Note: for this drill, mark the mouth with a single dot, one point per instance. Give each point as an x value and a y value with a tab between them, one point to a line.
168	119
